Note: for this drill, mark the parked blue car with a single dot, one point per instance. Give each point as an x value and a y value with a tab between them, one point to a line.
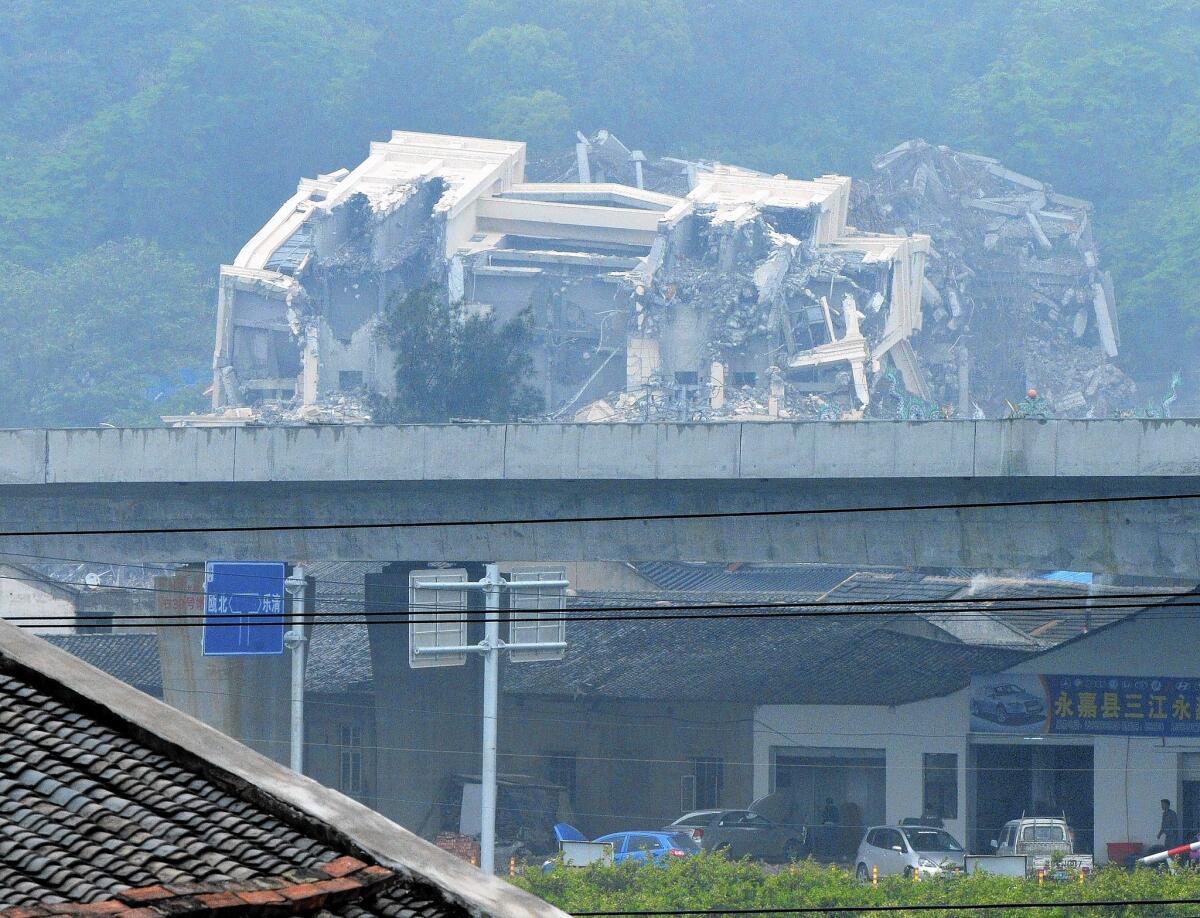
650	847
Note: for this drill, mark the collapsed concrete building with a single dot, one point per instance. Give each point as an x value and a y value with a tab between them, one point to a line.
657	288
1014	291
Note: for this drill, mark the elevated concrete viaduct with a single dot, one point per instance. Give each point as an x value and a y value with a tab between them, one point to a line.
72	480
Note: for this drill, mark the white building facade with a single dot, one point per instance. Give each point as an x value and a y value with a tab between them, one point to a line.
884	763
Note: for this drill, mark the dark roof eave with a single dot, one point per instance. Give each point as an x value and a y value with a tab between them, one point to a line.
294	798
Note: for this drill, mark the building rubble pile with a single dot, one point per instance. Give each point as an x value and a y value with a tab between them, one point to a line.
337	408
727	277
1014	297
946	286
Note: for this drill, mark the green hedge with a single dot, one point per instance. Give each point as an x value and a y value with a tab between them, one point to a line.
711	881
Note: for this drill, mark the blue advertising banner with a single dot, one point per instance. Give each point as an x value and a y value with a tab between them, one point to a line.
243	608
1025	703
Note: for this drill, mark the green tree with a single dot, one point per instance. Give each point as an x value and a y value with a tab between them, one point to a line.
451	364
541	119
100	336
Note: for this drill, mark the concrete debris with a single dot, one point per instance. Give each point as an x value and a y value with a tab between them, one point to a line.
1013	282
603	158
334	409
669	289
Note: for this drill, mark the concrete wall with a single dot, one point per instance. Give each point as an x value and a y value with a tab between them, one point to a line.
243	697
325	717
20	598
904	732
630	756
67	480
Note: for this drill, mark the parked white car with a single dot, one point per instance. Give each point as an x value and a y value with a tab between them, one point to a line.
908	850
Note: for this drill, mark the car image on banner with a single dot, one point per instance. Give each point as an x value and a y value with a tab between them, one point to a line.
1063	704
1009	703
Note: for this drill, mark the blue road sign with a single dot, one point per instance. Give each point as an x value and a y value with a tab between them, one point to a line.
243	608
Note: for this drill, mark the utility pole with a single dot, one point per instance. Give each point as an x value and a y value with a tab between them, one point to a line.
491	712
489	648
297	642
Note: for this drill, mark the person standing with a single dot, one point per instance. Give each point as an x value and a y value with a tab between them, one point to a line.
830	817
1169	829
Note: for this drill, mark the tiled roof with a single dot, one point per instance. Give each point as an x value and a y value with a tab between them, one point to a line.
113	800
1047	625
87	813
904	586
770	578
339	658
340	583
774	659
132	658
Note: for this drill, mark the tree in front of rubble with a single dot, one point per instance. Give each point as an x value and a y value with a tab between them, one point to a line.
454	364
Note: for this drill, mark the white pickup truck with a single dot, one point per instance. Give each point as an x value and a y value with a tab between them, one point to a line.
1047	842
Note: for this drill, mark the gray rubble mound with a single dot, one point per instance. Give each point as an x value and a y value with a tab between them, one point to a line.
1014	295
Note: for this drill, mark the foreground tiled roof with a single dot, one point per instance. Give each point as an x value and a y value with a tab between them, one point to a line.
88	814
113	803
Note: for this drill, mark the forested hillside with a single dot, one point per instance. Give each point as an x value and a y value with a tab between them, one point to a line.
143	140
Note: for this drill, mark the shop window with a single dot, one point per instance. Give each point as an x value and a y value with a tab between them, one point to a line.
350	759
941	785
562	769
709	773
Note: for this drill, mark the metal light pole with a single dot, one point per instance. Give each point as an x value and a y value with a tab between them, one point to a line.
490	647
297	642
491	712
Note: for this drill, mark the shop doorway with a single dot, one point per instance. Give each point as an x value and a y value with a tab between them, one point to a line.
1036	780
853	779
1189	795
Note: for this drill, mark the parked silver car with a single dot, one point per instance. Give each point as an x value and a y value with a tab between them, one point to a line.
908	850
694	823
744	833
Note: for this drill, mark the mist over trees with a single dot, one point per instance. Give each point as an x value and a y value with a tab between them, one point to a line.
143	141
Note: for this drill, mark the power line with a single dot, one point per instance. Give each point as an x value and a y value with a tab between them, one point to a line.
732	612
619	518
948	600
819	607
